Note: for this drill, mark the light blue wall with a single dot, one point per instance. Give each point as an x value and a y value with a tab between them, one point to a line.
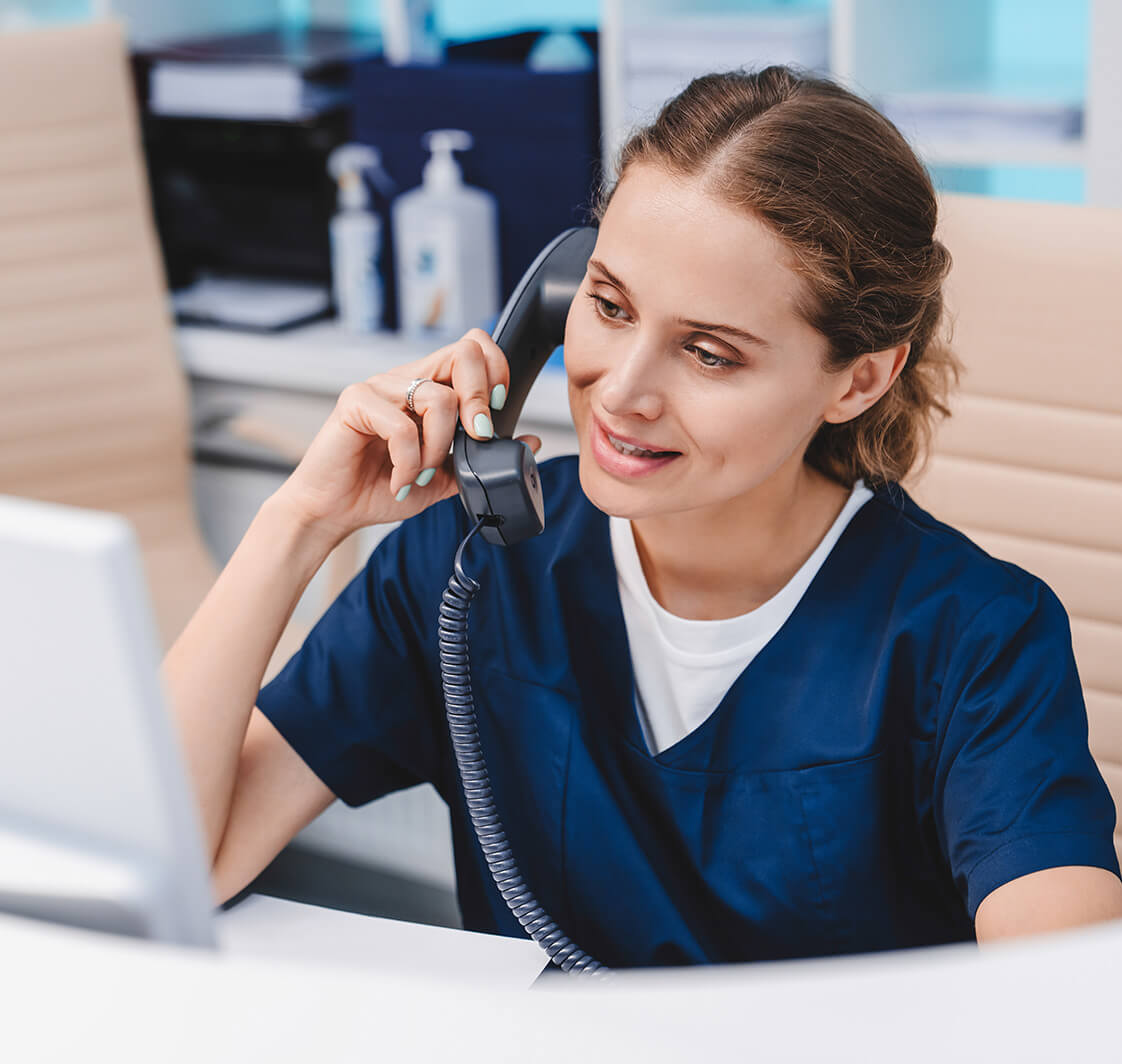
465	19
150	21
1050	184
49	10
1041	45
460	19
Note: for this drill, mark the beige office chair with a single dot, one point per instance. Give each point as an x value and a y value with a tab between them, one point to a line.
1030	464
93	400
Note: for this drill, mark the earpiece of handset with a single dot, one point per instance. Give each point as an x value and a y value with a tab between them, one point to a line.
498	479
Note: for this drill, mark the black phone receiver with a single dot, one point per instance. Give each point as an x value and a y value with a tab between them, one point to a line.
498	478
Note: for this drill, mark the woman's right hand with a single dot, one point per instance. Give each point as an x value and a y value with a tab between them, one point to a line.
371	446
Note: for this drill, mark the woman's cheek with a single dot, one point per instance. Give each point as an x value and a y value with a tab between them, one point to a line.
582	347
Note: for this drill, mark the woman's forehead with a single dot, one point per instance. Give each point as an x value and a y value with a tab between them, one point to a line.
668	237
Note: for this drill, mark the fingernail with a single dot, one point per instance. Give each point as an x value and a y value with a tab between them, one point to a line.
403	492
498	396
482	425
425	477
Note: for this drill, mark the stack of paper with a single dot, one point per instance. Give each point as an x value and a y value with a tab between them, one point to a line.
225	90
270	73
251	303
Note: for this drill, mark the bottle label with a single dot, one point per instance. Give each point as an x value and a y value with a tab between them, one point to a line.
432	300
356	281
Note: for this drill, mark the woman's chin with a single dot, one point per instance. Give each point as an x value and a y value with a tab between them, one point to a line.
612	497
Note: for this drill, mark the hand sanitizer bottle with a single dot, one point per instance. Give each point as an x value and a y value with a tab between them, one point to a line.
446	247
356	240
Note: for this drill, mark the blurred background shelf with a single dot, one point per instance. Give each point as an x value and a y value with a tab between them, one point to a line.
977	86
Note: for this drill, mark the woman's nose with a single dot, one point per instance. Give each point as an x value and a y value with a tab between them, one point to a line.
632	385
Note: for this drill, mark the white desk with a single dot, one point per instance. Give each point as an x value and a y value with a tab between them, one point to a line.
72	995
273	929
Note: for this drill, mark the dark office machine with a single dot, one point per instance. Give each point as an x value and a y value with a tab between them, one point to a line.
238	193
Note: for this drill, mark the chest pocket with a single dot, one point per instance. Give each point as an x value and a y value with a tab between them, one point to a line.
885	882
668	866
852	842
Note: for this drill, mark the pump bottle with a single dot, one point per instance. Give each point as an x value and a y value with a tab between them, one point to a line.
446	247
356	239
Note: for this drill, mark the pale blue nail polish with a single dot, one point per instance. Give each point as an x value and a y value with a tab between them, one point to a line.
425	477
498	396
403	492
482	425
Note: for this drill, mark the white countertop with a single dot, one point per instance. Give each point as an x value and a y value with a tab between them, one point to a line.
267	928
323	359
71	995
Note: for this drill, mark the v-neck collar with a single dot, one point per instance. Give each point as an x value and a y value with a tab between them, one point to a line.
600	655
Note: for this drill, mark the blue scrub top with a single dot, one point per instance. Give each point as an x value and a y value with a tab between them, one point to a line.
911	738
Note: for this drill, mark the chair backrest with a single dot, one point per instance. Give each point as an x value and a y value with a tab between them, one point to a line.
93	400
1030	463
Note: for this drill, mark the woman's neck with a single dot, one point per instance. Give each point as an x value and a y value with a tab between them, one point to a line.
713	564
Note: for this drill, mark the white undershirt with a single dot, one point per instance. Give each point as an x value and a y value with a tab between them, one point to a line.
683	668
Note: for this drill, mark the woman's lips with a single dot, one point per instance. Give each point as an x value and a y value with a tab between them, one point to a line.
619	464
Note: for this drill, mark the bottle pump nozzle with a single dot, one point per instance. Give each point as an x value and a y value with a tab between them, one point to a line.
347	163
442	171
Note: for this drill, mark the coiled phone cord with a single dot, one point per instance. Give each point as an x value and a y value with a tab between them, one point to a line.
456	676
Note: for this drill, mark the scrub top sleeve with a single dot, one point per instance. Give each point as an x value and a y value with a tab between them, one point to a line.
361	701
1016	787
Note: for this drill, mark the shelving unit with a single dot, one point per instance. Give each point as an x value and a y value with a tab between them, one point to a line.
897	53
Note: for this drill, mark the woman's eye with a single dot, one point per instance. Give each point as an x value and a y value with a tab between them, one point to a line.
717	363
603	306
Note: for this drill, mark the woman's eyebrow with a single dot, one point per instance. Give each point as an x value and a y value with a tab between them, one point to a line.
740	334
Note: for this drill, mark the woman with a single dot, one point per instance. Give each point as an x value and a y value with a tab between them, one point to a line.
742	699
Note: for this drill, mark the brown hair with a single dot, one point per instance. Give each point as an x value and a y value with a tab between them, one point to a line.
845	193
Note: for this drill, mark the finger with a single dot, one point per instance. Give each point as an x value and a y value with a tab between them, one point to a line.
442	363
533	442
362	409
434	416
439	411
498	368
479	373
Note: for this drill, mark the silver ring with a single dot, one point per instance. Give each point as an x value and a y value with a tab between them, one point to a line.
413	386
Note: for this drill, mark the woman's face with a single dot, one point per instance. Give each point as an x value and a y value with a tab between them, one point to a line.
647	357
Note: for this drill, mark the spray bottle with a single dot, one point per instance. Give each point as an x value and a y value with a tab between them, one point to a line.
356	238
446	247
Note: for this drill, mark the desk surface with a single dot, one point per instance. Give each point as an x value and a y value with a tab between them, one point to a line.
266	928
74	995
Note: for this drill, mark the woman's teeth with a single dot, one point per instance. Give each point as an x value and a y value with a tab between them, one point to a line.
626	448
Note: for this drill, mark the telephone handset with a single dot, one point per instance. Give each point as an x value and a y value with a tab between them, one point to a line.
498	478
501	491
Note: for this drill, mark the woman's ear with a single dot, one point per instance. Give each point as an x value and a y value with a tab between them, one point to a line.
863	383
